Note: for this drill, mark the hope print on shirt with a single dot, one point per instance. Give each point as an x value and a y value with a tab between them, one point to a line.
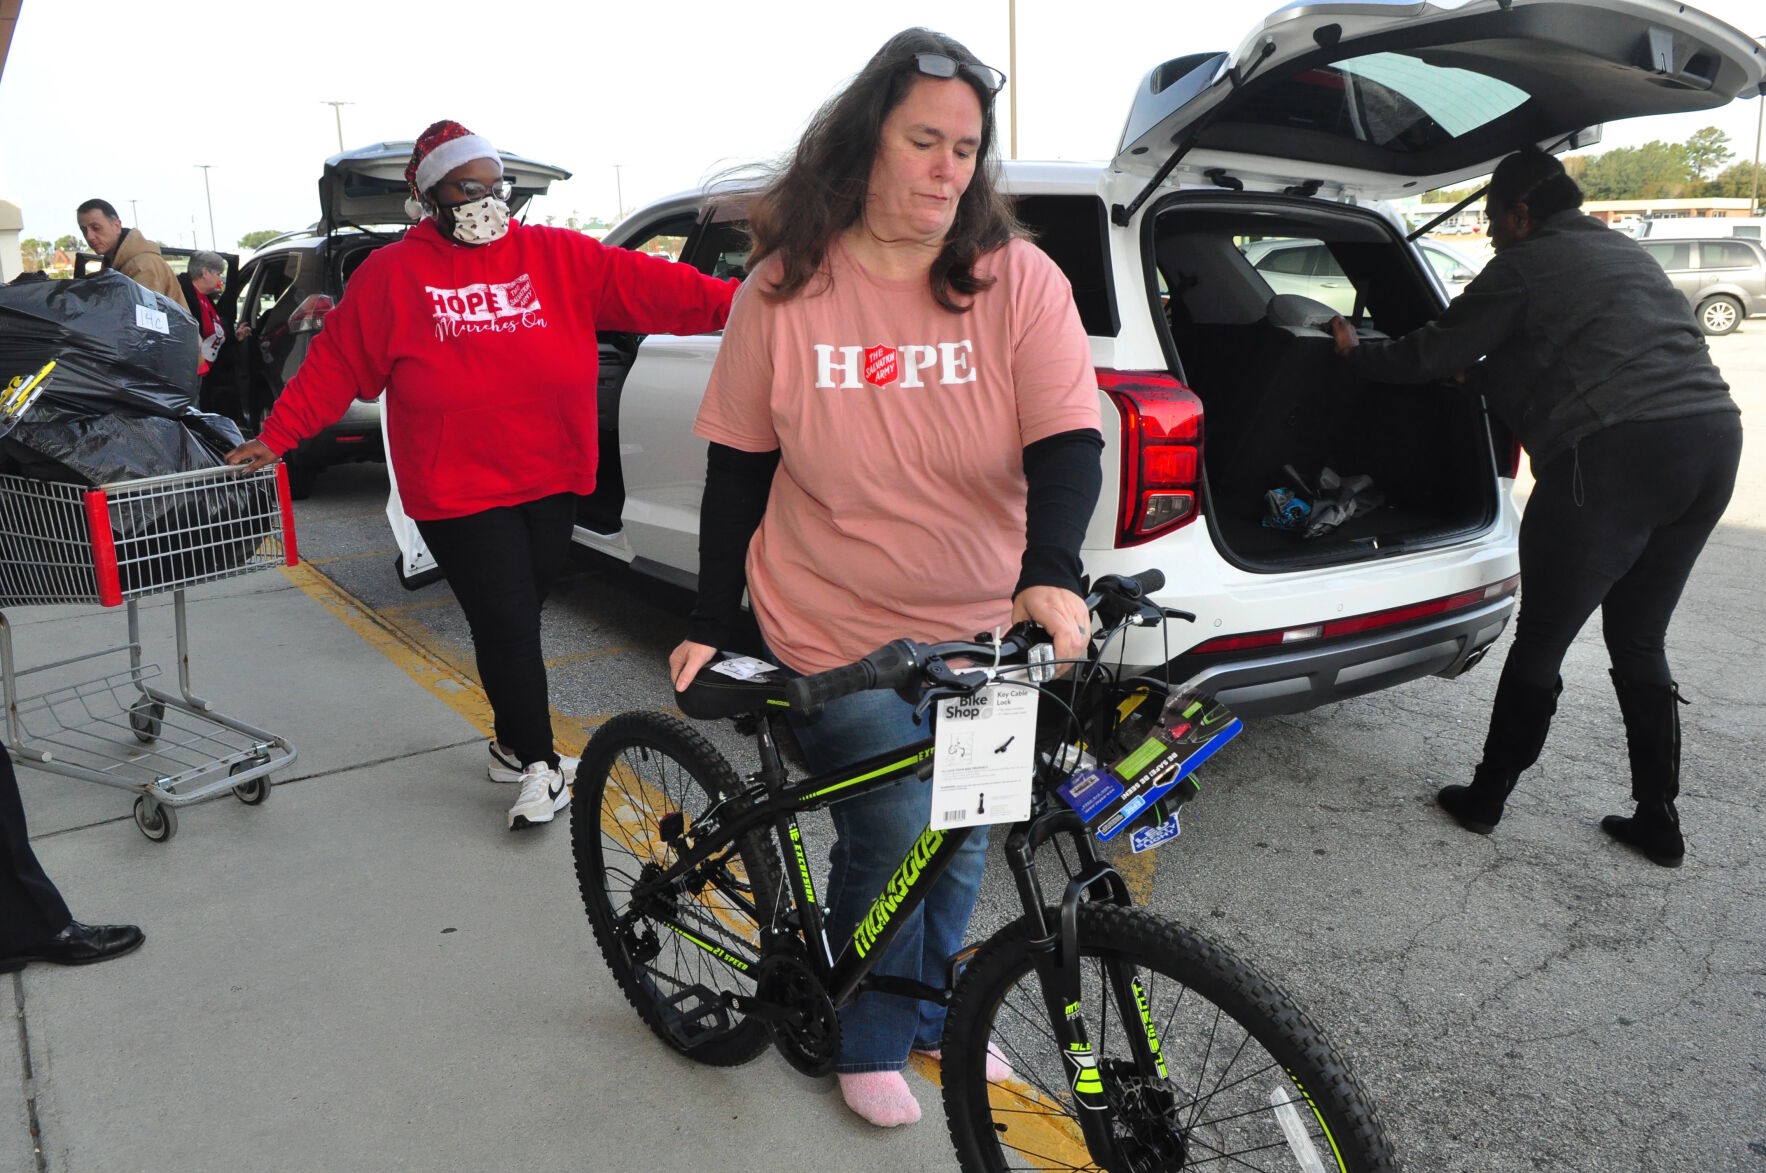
497	307
851	367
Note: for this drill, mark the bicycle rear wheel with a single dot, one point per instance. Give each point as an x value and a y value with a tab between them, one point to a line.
1250	1083
638	768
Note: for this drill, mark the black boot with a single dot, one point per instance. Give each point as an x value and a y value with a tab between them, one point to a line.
1652	735
1519	721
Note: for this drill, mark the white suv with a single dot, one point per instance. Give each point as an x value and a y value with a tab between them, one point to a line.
1211	384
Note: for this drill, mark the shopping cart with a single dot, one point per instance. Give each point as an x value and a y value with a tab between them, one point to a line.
98	716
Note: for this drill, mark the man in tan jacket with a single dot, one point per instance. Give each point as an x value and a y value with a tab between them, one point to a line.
127	251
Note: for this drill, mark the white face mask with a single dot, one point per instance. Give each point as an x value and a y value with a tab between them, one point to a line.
481	222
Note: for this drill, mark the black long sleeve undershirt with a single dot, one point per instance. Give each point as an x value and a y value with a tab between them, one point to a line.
737	485
1064	476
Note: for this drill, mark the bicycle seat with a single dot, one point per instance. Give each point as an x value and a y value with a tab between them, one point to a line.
733	686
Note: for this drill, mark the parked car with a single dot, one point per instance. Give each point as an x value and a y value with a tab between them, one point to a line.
288	286
1211	380
1309	268
1703	227
1724	280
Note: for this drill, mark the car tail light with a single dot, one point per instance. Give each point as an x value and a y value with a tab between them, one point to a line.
309	315
1353	624
1161	453
1508	460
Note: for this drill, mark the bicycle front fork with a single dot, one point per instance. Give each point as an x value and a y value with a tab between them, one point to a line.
1056	958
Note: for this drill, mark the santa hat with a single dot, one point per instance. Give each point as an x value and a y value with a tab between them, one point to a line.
441	148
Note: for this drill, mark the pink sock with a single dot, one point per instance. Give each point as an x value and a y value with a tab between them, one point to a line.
998	1070
881	1097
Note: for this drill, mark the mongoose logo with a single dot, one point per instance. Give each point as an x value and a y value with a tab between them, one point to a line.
897	890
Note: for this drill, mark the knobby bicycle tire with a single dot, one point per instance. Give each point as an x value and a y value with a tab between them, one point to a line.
636	768
1233	1044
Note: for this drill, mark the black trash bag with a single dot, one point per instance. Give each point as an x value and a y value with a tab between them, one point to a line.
116	344
181	536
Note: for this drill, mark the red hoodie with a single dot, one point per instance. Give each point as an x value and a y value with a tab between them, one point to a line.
488	357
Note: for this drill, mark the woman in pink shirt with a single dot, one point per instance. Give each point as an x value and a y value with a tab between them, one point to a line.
904	435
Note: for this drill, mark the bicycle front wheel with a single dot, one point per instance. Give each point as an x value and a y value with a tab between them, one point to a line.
1248	1082
674	959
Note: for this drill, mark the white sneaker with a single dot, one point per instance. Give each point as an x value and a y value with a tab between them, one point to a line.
506	767
543	793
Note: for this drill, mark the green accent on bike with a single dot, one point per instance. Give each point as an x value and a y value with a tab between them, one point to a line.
1140	1002
1141	758
773	700
809	887
1086	1080
717	951
923	755
1322	1126
1195	707
896	891
1072	1010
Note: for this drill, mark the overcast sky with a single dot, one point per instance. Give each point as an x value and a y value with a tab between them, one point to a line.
122	100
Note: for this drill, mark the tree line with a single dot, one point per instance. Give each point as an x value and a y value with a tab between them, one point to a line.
1698	168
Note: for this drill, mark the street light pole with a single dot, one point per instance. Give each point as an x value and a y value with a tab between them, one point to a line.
1759	124
337	109
618	194
1012	65
134	216
204	168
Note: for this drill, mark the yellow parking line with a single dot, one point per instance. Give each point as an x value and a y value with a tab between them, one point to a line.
444	671
358	556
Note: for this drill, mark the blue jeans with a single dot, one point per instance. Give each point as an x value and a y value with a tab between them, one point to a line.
872	834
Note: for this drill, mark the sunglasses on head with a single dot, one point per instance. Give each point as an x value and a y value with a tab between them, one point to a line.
938	65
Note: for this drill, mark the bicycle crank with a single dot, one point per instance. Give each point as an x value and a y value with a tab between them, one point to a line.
809	1037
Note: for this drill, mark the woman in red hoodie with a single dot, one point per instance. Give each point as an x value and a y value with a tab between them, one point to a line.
482	331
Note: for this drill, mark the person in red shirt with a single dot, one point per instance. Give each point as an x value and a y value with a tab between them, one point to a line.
481	331
203	280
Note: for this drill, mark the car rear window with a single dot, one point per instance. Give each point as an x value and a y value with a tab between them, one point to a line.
1722	254
1388	100
1074	231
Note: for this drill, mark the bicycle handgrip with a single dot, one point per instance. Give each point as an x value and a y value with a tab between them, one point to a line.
891	666
1150	580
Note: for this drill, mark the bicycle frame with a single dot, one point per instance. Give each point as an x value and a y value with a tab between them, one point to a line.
846	974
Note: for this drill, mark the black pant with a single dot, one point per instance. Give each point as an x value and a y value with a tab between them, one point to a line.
31	910
1617	524
500	564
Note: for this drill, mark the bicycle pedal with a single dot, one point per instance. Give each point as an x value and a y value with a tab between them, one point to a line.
695	1016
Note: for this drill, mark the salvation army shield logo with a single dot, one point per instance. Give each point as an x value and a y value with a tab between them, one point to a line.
881	365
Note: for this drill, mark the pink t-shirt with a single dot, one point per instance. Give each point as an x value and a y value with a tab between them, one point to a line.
898	507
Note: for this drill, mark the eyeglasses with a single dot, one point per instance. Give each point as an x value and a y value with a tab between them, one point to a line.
474	191
938	65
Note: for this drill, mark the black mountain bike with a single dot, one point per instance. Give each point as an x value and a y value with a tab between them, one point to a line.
1135	1045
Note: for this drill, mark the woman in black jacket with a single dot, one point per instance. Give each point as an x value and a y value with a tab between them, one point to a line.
1593	358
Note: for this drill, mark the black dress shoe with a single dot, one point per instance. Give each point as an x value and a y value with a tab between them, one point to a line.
79	944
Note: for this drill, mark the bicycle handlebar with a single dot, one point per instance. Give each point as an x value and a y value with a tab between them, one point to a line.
900	662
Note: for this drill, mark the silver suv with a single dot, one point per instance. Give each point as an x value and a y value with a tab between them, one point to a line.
1212	385
1724	280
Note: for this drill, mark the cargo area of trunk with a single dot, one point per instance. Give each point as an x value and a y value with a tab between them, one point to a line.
1276	396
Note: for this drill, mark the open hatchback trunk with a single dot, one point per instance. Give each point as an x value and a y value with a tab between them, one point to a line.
366	186
1357	103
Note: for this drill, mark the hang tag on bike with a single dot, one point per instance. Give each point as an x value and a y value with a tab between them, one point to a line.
982	759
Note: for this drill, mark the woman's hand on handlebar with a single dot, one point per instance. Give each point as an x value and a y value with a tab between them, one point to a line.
1059	612
253	454
686	660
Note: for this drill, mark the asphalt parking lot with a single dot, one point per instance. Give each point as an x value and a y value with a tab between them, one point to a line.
1540	999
